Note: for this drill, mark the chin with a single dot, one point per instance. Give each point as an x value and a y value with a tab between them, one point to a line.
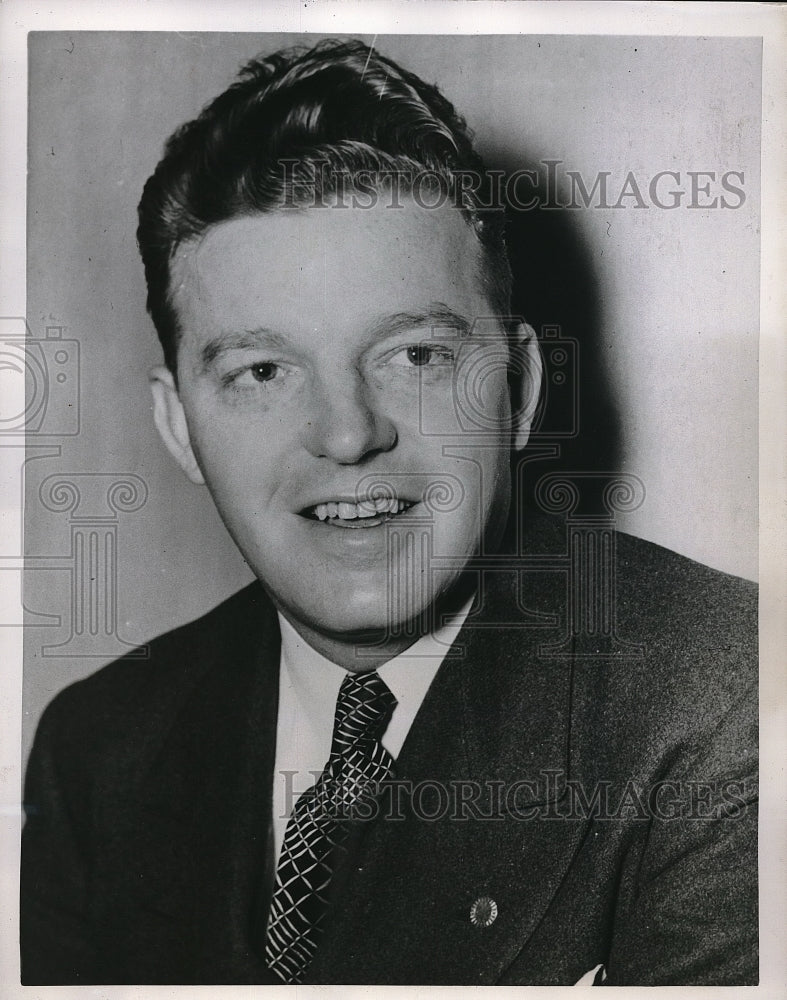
367	618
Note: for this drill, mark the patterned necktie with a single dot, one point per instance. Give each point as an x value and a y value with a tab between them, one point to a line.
317	828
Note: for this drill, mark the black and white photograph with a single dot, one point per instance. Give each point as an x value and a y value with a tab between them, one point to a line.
390	445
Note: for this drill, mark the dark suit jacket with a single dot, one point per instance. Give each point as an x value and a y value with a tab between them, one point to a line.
624	829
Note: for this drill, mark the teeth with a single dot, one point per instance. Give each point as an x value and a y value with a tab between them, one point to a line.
365	508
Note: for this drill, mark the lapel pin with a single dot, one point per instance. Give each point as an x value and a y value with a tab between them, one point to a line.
483	912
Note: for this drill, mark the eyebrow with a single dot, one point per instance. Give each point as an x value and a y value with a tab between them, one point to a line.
243	340
436	315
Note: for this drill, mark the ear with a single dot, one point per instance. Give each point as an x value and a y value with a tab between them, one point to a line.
527	372
170	420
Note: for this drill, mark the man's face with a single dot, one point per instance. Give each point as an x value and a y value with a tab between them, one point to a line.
319	372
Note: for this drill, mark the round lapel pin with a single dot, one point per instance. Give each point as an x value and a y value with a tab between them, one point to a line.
483	912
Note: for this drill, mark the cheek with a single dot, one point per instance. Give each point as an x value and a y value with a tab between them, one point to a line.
214	452
223	432
233	463
496	397
485	477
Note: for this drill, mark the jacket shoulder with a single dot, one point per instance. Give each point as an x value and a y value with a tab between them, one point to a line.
684	685
683	606
148	682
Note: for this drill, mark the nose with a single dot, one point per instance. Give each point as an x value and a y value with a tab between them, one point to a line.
346	423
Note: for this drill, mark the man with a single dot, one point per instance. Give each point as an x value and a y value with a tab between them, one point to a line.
409	753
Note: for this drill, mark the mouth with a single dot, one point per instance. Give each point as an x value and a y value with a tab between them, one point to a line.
369	513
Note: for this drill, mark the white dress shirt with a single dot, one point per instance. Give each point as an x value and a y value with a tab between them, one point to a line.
308	689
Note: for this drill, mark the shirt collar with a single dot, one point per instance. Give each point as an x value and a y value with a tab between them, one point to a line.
313	678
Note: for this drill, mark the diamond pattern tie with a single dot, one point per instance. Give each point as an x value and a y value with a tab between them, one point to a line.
317	828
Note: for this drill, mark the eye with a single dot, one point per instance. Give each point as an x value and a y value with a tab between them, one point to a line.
419	355
423	356
248	376
264	371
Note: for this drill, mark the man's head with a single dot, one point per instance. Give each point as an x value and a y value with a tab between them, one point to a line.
331	296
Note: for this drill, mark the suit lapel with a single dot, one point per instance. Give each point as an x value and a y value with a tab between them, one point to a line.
487	758
202	852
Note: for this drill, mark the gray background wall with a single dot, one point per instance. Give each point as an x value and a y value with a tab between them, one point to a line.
664	302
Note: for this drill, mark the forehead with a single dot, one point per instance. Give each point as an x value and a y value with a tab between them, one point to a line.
327	268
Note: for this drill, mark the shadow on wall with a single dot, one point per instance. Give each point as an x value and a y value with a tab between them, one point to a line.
556	291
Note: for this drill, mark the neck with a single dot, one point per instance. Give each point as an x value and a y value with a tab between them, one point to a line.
358	654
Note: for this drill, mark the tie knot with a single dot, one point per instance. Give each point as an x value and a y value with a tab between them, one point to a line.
363	708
